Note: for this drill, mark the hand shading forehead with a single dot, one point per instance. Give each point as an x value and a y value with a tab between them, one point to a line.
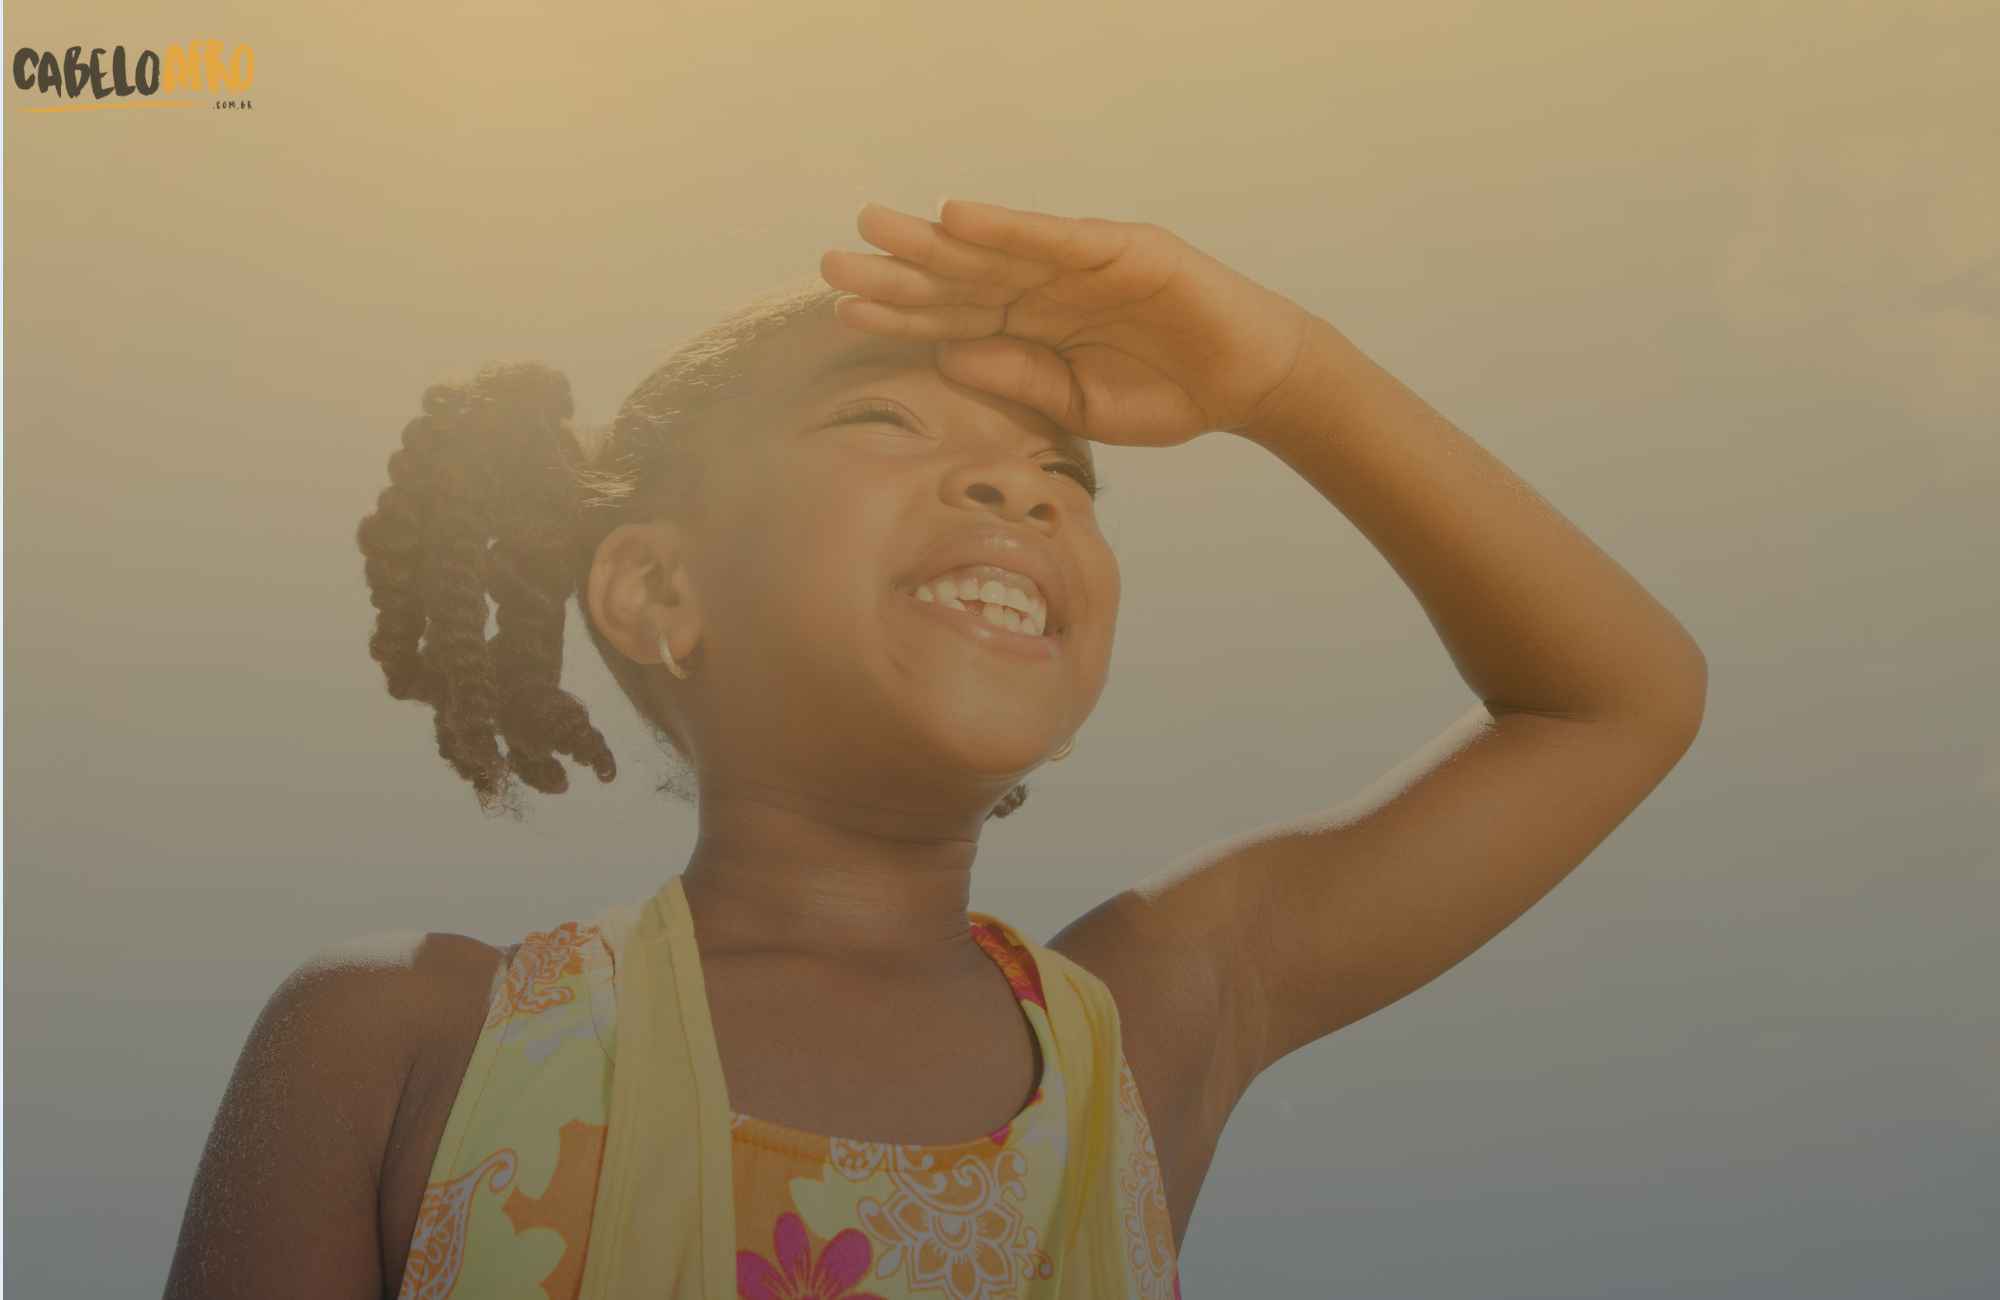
853	360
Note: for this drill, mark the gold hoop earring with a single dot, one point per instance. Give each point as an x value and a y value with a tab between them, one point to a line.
1063	753
667	658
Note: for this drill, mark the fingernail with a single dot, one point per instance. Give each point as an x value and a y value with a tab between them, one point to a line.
937	213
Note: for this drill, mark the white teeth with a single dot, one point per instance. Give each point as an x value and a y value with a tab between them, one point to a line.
1033	622
1016	599
1018	593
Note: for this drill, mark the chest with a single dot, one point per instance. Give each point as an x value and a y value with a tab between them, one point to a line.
896	1062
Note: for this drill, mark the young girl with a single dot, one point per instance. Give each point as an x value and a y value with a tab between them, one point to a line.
841	552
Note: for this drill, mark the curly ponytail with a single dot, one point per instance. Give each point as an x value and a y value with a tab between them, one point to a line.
473	508
496	460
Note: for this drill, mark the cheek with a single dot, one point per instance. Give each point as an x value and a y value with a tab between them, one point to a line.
759	565
819	560
1105	591
1106	583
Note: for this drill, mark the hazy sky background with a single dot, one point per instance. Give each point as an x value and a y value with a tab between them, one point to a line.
1718	279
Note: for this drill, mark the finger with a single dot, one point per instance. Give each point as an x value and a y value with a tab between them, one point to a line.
1025	371
894	281
1072	243
953	321
927	244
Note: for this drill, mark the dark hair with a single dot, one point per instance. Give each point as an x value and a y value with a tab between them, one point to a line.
495	491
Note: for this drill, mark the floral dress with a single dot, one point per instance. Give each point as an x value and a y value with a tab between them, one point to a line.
507	1209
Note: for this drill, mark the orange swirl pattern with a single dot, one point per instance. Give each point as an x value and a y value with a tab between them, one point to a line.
536	977
437	1250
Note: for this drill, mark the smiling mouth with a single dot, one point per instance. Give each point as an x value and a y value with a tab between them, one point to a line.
978	612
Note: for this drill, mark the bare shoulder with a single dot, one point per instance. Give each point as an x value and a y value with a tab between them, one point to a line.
412	1003
295	1161
425	972
416	991
1174	1008
446	983
403	1000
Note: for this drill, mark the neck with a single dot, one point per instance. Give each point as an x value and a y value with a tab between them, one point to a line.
863	886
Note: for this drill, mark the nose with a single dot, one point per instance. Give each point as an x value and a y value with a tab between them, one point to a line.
1014	487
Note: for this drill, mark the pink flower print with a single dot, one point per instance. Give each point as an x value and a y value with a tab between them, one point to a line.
840	1265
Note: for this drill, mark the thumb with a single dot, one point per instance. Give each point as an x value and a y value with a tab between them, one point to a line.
1014	368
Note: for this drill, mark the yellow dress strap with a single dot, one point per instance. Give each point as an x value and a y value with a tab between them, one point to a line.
1084	1019
665	1221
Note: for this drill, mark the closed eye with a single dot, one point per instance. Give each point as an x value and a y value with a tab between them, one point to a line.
1081	473
1077	470
869	414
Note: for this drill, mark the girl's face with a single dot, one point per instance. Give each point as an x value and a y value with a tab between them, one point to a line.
864	474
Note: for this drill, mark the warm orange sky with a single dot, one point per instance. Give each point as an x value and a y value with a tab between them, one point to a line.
1719	280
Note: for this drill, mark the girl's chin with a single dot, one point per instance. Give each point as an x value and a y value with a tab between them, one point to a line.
973	750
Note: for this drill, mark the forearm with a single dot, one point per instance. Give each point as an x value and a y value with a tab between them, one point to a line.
1535	616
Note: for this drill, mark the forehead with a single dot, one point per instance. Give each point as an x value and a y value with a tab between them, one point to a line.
829	358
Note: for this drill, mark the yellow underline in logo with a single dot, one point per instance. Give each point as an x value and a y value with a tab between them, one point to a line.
130	103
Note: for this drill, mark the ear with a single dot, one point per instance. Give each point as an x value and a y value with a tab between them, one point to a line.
638	591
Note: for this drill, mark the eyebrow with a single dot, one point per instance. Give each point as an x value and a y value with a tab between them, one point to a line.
884	354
